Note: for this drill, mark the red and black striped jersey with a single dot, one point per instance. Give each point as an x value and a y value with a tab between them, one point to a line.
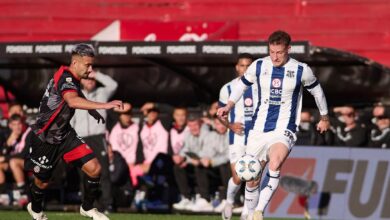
52	124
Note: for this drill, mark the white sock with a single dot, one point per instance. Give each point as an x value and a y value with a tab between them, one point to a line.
245	210
267	192
19	184
251	197
232	191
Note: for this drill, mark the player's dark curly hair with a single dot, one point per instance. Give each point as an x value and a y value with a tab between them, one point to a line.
245	56
279	37
83	50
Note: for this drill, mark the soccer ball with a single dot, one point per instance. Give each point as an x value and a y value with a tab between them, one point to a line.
248	168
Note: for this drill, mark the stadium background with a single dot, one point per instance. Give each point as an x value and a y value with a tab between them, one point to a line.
346	42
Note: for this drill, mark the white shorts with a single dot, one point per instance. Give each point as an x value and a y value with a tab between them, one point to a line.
259	142
236	151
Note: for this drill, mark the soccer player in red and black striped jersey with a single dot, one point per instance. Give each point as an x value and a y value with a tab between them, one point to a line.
54	138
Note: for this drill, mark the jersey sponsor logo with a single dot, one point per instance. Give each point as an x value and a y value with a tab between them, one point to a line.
276	92
272	102
40	165
68	79
37	169
276	83
248	117
248	102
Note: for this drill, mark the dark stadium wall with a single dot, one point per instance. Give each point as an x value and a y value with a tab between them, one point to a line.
152	72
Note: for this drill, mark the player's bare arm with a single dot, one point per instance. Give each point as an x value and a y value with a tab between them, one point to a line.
236	127
224	111
77	102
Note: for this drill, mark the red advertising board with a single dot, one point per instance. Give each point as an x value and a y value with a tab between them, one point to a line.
178	31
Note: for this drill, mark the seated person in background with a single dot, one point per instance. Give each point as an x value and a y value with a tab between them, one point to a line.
154	138
165	112
215	162
187	160
380	134
178	131
124	140
17	167
9	147
15	108
121	182
349	132
306	134
208	116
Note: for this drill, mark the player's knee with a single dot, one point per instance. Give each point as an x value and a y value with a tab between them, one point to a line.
275	163
236	179
40	184
12	164
95	170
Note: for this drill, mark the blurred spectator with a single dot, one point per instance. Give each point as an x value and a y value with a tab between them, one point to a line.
154	138
214	162
124	140
15	108
93	132
179	130
209	115
349	132
17	167
122	189
165	112
11	146
186	161
380	134
207	153
306	134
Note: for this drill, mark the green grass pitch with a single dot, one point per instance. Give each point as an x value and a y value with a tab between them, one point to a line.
23	215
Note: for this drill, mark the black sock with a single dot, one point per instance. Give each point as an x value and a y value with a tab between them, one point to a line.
91	189
3	188
37	195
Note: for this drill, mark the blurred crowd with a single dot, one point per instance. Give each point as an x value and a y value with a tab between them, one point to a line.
160	157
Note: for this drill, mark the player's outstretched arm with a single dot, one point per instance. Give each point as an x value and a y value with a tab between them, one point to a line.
77	102
224	111
236	127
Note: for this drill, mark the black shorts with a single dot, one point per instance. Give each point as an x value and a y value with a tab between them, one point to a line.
44	157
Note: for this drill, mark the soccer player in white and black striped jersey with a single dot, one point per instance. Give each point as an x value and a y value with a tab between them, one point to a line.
239	123
279	79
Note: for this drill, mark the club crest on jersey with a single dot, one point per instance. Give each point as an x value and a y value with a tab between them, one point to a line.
68	79
248	102
290	73
276	83
37	169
